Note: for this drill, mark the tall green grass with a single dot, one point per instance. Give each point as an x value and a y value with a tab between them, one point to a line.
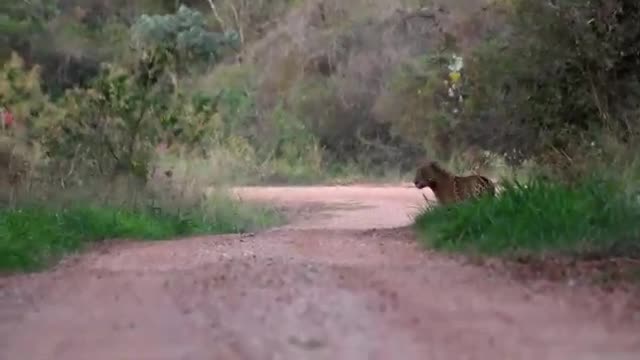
592	218
35	236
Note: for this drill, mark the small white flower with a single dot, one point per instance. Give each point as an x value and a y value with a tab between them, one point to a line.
456	63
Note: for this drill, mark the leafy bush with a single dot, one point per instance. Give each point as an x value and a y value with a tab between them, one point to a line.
184	35
115	126
21	92
592	218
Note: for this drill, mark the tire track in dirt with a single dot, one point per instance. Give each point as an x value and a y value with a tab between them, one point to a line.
344	280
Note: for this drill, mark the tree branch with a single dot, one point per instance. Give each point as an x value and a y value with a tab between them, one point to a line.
236	18
216	14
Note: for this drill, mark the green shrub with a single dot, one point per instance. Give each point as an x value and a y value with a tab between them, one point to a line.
20	90
593	217
184	35
114	127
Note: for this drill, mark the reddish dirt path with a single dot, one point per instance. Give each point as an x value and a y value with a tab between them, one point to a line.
343	281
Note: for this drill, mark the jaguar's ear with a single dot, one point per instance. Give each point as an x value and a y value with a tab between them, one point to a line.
435	166
438	169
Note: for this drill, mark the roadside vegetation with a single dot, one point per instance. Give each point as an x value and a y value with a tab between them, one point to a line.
142	108
33	237
569	109
592	218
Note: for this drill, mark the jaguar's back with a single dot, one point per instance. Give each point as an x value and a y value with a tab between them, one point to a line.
449	188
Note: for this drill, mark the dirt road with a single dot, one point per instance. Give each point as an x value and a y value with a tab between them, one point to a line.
344	280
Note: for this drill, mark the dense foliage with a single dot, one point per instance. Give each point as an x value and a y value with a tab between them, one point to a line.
184	36
564	74
366	85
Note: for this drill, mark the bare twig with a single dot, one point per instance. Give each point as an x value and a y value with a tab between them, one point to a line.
216	14
236	19
430	203
596	98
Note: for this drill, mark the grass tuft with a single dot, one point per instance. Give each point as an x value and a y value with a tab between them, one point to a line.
591	219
